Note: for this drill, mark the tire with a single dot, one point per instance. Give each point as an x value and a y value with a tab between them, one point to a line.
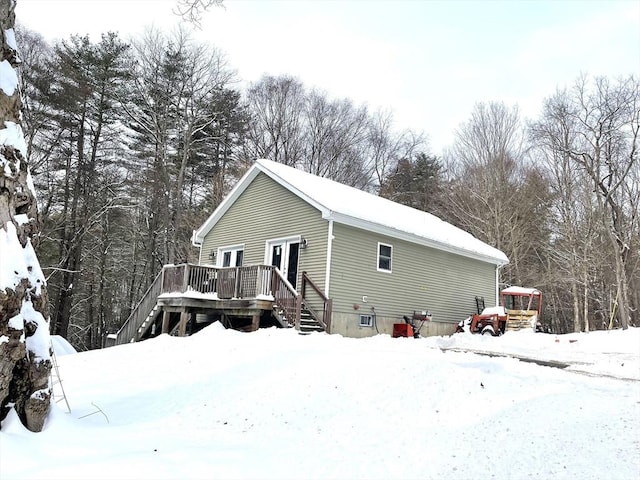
488	331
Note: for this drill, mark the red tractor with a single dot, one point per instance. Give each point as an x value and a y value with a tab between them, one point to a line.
519	308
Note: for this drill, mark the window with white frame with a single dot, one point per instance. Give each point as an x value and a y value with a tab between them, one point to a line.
366	320
231	256
385	252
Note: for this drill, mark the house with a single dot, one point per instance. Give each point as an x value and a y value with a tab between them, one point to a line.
288	248
361	260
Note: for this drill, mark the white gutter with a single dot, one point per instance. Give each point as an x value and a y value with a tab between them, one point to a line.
194	239
327	272
198	244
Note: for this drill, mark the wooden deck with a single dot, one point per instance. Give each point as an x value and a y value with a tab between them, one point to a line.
185	298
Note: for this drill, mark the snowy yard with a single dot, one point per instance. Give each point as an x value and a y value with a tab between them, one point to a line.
275	404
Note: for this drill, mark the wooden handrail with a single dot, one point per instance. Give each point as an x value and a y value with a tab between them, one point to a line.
139	314
286	298
327	303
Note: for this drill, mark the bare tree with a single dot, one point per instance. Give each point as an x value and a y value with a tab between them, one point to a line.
335	132
25	361
35	70
575	235
494	193
386	149
192	10
332	138
595	125
276	127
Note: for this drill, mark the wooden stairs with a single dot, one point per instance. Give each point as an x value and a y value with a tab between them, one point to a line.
308	322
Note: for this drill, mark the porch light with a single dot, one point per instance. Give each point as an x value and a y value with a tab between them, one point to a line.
212	255
303	243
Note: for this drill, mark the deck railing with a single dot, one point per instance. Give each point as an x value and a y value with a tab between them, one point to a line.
252	281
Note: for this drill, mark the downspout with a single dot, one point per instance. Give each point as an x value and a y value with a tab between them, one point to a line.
498	267
327	272
198	245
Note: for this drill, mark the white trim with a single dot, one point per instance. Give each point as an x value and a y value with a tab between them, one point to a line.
229	248
286	243
327	270
236	246
271	241
368	324
290	238
390	270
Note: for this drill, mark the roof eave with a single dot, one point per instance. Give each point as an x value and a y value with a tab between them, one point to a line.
413	238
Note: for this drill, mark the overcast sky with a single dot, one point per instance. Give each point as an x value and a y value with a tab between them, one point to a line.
427	61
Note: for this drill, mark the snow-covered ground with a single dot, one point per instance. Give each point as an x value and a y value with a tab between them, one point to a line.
275	404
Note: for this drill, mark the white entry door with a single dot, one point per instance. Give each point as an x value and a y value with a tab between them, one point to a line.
284	253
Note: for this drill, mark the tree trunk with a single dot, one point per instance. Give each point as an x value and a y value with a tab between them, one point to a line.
576	306
25	359
585	305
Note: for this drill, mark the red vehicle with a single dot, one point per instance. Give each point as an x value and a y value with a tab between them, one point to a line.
519	308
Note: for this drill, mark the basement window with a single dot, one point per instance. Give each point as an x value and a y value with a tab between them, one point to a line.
385	253
366	320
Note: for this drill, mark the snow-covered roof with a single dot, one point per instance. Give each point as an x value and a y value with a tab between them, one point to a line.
497	310
520	291
350	206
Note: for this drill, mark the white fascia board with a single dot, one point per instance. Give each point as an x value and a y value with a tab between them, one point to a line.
409	237
229	200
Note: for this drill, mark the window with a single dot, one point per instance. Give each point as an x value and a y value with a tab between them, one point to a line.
384	257
231	256
366	320
226	259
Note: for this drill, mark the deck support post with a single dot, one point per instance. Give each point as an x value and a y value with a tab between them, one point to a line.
255	322
165	321
184	319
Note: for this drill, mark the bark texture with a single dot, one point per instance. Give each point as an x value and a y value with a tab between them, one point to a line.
25	360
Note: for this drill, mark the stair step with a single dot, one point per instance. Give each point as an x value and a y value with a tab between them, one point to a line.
315	327
310	321
307	324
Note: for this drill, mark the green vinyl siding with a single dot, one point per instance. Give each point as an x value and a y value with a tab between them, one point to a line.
422	278
265	211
